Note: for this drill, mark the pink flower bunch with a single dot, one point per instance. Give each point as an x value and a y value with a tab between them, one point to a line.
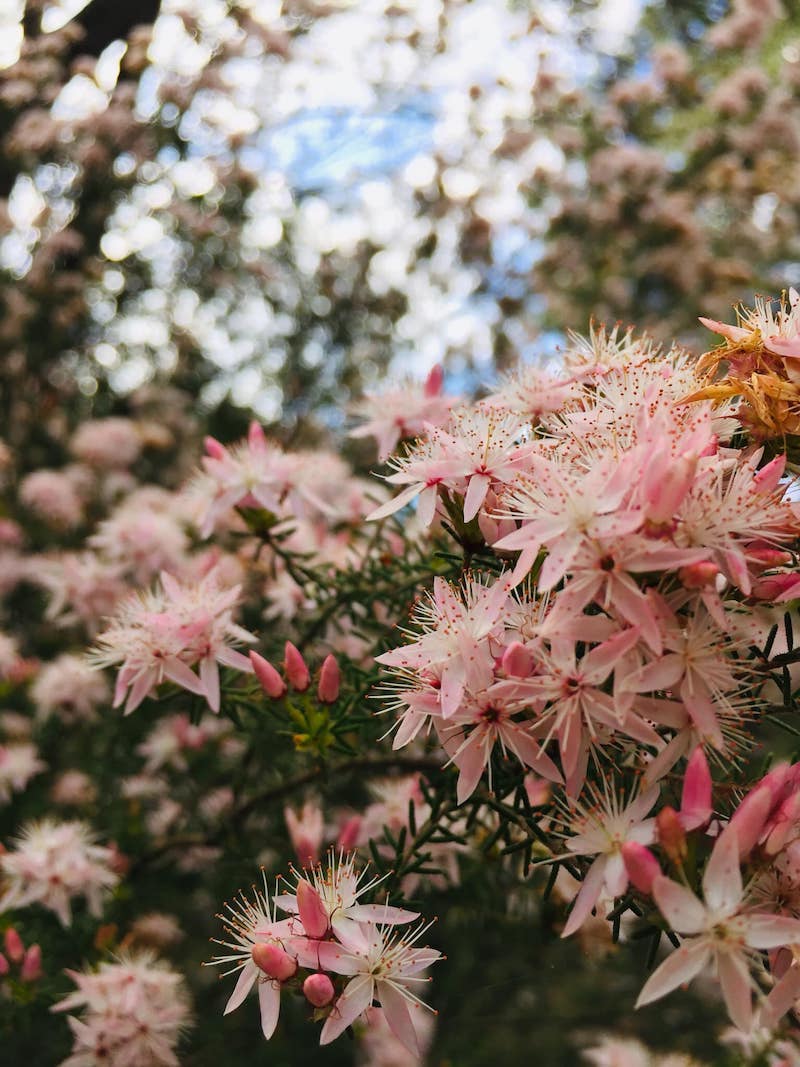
342	954
162	634
19	763
70	688
109	444
259	474
52	496
403	413
54	862
133	1012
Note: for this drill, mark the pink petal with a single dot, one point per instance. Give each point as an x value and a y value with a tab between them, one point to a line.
587	897
772	931
722	880
395	1008
242	987
684	964
269	999
734	978
209	676
733	333
476	494
381	913
177	672
783	996
471	761
356	998
680	907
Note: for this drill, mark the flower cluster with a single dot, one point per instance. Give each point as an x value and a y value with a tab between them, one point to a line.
133	1012
341	953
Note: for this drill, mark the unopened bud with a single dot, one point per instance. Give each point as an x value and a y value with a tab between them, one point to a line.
268	678
696	796
641	865
274	961
214	448
349	833
313	913
517	661
329	681
296	669
31	970
671	835
318	989
699	575
255	436
15	949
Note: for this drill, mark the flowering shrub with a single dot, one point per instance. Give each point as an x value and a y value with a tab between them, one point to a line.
557	633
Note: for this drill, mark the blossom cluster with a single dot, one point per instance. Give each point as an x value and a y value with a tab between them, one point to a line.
341	953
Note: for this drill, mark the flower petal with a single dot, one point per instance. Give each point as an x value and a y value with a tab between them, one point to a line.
680	907
684	964
356	998
269	999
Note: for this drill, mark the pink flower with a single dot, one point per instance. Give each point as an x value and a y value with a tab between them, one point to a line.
134	1012
403	412
331	895
458	627
721	929
380	965
162	634
601	830
54	862
251	923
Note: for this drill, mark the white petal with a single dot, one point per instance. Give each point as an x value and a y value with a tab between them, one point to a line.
395	1008
242	988
722	880
269	999
681	908
683	965
356	998
734	978
772	931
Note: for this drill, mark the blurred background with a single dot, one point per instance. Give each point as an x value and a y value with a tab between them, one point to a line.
230	207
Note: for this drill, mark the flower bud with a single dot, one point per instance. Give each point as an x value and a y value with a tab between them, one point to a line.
255	436
517	661
699	575
15	949
641	865
214	449
31	969
274	961
268	678
318	989
5	966
696	796
296	669
349	833
329	680
671	835
313	914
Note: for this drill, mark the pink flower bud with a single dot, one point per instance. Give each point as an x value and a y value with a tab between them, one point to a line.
777	588
5	966
768	477
274	961
313	914
751	816
434	381
765	556
256	438
296	669
31	969
671	835
641	865
15	949
318	989
783	825
349	833
329	680
699	575
696	796
517	661
214	448
268	678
